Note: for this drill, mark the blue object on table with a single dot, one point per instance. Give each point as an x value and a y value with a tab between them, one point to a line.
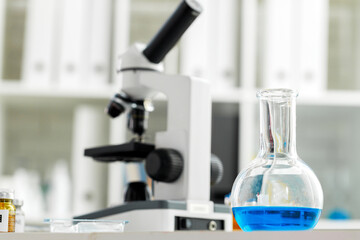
257	218
339	214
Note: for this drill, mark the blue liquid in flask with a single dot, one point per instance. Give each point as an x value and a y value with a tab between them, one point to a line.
261	218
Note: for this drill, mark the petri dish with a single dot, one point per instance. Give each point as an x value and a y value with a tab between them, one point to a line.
85	225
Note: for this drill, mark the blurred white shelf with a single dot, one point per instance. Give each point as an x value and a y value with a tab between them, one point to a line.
325	224
228	95
335	98
327	98
11	90
19	90
332	98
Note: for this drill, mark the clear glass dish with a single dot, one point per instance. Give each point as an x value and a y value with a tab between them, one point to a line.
85	225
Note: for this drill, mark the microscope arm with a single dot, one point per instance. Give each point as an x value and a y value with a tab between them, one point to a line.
188	131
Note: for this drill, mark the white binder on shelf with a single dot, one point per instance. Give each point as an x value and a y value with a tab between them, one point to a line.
75	43
209	47
195	56
116	170
278	67
2	135
121	36
120	42
225	37
295	48
40	37
100	40
2	29
313	45
89	130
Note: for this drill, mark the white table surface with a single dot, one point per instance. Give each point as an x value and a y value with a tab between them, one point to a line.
307	235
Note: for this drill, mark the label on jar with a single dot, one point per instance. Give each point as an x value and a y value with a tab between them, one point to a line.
4	220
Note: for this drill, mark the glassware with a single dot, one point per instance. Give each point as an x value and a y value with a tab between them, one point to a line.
278	191
7	210
85	225
20	216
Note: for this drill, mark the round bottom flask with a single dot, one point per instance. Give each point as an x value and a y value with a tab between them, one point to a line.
277	191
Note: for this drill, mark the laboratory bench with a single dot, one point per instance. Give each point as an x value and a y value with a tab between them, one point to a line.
308	235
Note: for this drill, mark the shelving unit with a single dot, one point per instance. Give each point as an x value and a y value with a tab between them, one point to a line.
201	53
312	44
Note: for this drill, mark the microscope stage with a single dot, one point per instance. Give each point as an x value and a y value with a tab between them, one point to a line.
127	152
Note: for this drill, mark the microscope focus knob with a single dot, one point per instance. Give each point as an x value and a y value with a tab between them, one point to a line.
164	165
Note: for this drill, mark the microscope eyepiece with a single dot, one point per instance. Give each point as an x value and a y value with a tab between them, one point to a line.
172	30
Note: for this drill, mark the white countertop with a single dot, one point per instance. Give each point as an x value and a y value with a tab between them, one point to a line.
308	235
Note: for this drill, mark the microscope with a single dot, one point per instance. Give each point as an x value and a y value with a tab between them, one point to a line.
179	161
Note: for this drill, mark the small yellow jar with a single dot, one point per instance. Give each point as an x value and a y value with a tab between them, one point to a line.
7	211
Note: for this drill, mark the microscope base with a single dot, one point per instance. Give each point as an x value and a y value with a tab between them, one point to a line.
161	215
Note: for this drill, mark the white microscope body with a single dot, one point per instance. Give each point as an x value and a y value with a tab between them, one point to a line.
188	131
188	124
181	201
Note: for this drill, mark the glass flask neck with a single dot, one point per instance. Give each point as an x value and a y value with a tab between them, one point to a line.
277	124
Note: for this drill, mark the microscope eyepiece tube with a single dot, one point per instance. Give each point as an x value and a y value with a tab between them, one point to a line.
172	30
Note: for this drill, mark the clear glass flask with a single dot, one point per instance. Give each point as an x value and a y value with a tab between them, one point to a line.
277	191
